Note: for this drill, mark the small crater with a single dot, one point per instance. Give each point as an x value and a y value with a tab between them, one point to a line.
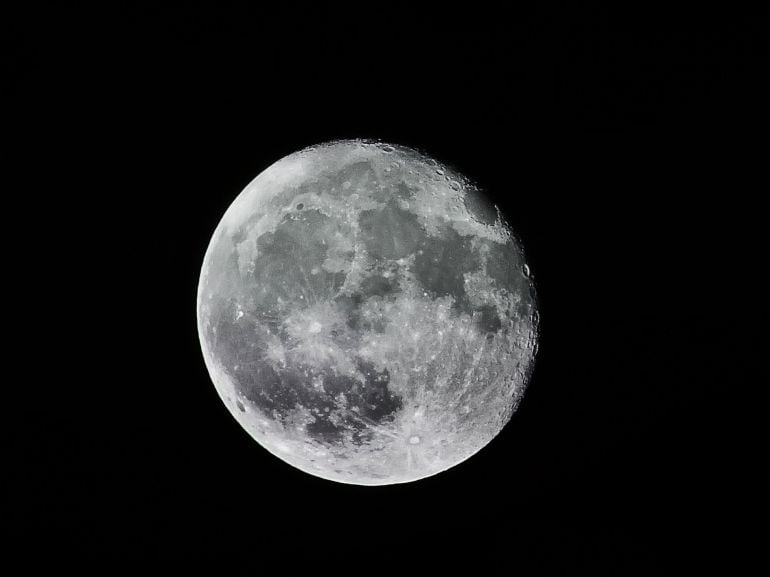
300	206
414	440
240	406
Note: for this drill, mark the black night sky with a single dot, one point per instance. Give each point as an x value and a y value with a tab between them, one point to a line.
629	152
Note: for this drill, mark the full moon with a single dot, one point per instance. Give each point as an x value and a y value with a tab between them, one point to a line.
366	313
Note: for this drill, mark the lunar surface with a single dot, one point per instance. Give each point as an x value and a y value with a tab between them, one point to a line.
366	314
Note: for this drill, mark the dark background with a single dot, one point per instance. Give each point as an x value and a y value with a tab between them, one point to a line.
627	150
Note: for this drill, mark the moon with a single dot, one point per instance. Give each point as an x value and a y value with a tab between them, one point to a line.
366	313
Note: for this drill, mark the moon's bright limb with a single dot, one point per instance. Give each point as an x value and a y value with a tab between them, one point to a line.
366	314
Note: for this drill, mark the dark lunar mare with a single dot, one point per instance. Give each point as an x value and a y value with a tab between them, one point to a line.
286	258
277	392
441	266
440	261
370	402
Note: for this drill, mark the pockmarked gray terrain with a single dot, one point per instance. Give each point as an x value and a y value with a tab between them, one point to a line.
366	314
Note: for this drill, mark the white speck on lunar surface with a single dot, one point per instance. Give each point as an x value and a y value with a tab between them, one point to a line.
366	314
